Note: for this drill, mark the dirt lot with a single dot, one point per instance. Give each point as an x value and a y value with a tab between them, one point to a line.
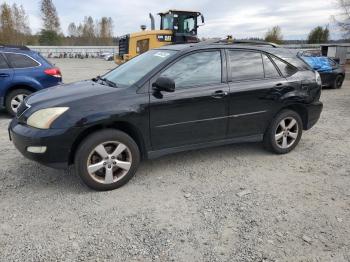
232	203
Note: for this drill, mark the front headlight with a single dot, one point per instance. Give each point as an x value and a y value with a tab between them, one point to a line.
43	118
318	78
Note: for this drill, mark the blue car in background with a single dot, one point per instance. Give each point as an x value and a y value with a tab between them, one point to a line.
22	72
332	74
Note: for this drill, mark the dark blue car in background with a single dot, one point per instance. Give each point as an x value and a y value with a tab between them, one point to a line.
22	72
332	74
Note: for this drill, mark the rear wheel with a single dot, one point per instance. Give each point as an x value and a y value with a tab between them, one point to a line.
107	159
14	99
338	82
284	133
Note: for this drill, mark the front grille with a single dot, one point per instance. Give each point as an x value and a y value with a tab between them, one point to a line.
124	45
22	108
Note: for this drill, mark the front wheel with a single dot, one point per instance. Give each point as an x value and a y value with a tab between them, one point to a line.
284	133
107	160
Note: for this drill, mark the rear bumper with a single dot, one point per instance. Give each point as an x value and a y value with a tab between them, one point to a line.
57	142
313	112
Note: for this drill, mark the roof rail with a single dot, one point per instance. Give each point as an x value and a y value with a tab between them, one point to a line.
20	47
230	41
255	42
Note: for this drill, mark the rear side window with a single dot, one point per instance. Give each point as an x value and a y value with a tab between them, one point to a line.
286	69
20	61
198	69
269	67
246	65
3	63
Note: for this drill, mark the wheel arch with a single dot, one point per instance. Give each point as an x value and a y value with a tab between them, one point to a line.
125	127
300	110
16	87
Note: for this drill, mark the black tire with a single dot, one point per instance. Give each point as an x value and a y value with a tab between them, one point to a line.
11	96
274	129
87	147
338	82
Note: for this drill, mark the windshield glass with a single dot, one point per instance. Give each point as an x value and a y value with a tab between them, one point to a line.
132	71
187	24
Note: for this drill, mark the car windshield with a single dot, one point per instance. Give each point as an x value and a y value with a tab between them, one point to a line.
132	71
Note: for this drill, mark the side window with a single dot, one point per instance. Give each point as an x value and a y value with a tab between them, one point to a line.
286	69
20	61
3	63
246	65
270	69
203	68
142	46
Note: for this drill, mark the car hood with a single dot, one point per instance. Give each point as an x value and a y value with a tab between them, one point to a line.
66	94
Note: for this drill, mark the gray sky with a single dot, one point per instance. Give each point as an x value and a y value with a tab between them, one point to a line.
241	19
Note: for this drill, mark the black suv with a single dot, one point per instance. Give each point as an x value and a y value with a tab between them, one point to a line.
172	99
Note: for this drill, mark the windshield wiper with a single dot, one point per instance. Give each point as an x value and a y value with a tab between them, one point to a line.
104	81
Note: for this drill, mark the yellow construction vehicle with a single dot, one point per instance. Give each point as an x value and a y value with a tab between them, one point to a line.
176	26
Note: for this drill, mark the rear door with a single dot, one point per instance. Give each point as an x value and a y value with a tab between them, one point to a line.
6	75
254	90
197	111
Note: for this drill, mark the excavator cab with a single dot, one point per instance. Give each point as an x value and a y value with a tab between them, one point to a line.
176	27
183	24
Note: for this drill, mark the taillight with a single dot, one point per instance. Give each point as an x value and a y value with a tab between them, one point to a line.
55	72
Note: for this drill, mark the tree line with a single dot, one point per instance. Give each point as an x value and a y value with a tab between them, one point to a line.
15	29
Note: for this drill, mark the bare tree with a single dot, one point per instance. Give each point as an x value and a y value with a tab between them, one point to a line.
72	30
343	18
274	35
7	24
20	18
49	16
105	28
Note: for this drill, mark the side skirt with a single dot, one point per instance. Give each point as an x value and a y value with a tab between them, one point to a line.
167	151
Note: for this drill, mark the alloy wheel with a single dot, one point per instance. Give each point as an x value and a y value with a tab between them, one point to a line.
16	101
109	162
286	133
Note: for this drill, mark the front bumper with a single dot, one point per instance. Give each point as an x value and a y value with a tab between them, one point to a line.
313	112
57	141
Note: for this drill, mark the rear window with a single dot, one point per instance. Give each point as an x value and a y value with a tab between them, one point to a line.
3	63
20	61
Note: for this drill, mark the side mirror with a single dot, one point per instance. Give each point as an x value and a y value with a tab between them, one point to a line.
202	17
165	84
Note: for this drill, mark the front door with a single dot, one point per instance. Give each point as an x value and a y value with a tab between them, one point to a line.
197	111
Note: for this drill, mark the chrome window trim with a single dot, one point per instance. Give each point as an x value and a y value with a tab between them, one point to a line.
39	64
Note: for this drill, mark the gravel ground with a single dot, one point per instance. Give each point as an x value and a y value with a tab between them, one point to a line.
231	203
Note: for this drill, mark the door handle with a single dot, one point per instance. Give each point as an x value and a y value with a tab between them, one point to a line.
219	94
4	75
